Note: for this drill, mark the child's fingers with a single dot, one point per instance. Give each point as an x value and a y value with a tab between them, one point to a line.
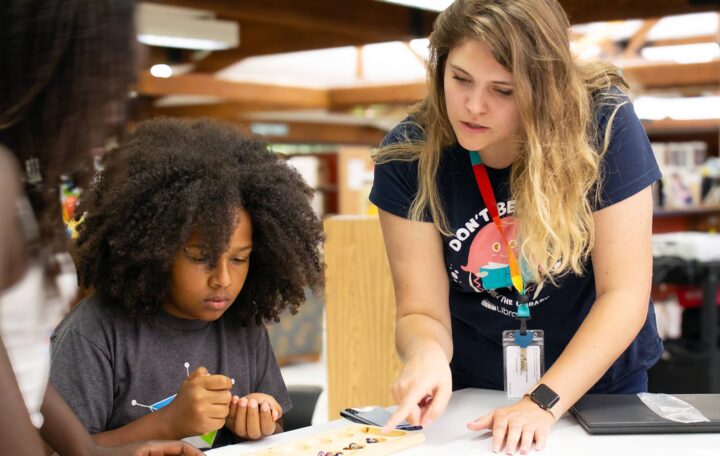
275	414
199	372
217	382
221	397
276	408
252	422
241	418
267	423
262	397
232	413
218	412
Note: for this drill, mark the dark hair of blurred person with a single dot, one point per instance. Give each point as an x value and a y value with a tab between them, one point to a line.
64	65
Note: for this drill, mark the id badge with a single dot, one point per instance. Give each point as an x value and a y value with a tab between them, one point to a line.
523	360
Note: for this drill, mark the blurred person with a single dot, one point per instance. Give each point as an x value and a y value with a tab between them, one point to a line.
64	64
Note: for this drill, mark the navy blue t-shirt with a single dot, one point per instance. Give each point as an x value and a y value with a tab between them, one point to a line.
479	316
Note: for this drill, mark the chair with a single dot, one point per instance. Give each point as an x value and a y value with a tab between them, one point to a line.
304	400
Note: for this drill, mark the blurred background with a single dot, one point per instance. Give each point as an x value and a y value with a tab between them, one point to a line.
324	80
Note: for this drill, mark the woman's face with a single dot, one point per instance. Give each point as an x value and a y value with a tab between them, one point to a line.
200	293
480	102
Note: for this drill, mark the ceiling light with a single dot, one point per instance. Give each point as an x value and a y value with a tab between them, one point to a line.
683	53
684	25
432	5
169	26
161	71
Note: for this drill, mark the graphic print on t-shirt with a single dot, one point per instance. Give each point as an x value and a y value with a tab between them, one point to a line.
484	265
200	441
487	260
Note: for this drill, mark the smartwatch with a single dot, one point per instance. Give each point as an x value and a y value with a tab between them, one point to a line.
544	397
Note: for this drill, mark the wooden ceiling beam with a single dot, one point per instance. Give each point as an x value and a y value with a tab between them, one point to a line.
251	93
297	132
582	11
388	20
384	21
685	40
229	111
674	75
326	133
639	38
390	94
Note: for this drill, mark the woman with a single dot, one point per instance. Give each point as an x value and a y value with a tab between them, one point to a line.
65	64
519	188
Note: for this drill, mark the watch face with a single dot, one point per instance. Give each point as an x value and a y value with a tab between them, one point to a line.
544	396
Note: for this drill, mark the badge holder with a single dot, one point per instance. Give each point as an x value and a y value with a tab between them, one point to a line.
523	356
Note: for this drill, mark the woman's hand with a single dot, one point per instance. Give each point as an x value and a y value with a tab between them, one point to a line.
520	424
422	390
254	416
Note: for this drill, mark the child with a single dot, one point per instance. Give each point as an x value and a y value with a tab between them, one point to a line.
193	235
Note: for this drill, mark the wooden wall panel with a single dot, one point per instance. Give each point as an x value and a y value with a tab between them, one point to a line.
355	168
360	309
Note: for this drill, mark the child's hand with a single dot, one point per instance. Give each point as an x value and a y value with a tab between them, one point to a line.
254	416
201	405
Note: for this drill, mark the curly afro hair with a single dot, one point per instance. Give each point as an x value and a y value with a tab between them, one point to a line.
171	178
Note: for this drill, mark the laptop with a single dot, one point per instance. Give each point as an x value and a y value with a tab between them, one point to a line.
627	414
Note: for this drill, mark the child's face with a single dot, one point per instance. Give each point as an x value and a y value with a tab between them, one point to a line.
200	293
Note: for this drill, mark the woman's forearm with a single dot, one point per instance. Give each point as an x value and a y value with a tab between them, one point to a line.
613	322
416	334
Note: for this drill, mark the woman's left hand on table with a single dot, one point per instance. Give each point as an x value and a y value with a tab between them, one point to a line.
516	427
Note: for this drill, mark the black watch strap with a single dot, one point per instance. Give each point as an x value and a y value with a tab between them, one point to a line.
544	397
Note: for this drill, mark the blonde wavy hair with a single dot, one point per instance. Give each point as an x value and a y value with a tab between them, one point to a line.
556	177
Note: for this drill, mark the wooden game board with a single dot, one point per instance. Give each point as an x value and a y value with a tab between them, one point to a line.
336	442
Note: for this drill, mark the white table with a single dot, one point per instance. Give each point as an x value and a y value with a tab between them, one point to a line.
449	436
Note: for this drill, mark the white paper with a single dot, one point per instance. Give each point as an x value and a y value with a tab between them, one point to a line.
519	381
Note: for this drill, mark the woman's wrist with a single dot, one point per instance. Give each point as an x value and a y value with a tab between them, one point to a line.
429	349
553	413
419	335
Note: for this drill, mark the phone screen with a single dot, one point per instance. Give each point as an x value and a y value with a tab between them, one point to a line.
374	416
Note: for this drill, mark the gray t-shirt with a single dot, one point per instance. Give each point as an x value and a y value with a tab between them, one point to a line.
112	371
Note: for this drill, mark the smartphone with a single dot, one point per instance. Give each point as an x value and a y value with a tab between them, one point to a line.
374	416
